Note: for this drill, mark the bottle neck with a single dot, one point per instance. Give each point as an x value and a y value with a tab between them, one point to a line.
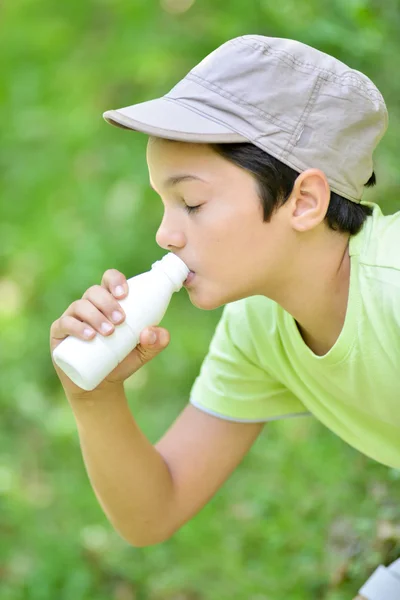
174	282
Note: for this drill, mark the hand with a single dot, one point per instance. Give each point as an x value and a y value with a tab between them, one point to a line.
95	308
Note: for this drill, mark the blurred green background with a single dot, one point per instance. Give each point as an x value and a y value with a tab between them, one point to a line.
304	516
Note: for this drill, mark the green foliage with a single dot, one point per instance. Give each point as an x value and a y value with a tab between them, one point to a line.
304	516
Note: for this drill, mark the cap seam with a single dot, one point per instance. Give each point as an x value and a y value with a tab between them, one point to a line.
306	113
205	115
221	92
152	130
292	61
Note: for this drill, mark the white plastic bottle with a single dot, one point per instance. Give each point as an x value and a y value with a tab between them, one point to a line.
87	363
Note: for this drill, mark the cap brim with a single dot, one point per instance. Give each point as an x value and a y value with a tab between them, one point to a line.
166	118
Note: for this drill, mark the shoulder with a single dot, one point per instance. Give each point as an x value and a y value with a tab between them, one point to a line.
378	242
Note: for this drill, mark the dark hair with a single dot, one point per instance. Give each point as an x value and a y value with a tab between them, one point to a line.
276	180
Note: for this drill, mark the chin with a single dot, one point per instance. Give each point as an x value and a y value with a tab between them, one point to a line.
209	301
205	303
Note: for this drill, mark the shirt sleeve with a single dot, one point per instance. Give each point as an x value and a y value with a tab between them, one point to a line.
233	385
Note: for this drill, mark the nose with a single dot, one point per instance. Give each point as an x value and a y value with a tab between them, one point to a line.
169	236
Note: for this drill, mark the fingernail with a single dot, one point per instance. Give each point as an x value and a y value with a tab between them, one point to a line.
88	332
164	338
119	290
106	327
152	337
116	316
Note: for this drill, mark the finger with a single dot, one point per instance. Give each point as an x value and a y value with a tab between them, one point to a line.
85	310
105	303
153	336
68	325
115	282
86	314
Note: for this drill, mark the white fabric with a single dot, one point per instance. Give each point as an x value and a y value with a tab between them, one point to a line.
384	583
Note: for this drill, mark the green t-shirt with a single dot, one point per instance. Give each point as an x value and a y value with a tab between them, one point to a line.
259	368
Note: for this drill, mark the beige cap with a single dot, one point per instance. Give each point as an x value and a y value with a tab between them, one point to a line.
302	106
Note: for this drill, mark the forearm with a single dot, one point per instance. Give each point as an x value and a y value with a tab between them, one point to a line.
129	477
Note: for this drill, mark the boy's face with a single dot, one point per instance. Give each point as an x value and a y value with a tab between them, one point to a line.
233	253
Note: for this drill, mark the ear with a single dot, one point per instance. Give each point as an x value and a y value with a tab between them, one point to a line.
309	199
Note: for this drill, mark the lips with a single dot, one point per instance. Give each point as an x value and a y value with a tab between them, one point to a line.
189	277
190	274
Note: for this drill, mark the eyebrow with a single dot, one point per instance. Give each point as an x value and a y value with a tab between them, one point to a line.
175	179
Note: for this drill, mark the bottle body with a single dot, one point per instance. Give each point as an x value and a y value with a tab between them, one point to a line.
87	363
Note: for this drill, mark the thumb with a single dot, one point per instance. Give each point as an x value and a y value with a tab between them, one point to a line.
145	351
154	339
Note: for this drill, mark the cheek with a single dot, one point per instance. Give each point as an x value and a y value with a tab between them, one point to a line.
227	240
235	243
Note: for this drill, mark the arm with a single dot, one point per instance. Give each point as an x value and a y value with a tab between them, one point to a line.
148	492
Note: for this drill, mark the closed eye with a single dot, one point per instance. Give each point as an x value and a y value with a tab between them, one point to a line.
192	209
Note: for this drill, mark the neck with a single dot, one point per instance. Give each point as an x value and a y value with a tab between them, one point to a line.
317	296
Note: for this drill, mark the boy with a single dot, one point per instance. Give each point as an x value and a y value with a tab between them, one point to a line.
260	155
